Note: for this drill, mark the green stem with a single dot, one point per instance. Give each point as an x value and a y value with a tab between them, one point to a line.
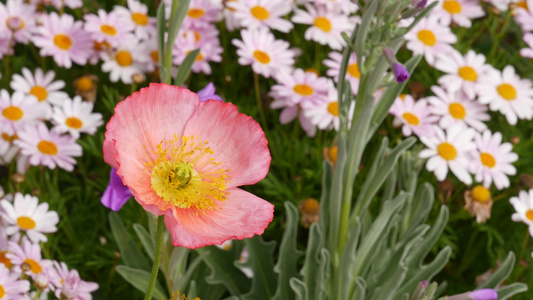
519	269
157	257
259	103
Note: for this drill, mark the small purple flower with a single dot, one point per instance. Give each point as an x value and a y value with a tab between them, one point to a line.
208	92
400	72
116	193
483	294
422	3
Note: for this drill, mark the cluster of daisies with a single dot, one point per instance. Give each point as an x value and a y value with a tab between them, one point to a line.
24	273
40	124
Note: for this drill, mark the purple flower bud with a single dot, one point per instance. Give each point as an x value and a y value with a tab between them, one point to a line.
400	72
422	3
424	283
483	294
116	193
208	92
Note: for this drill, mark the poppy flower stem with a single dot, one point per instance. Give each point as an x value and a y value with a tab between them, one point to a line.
157	257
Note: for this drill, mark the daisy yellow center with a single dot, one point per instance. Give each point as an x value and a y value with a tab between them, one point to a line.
522	4
123	58
447	151
480	194
199	57
303	89
6	137
99	46
47	147
108	29
402	96
4	260
487	159
25	223
139	18
63	41
427	37
40	92
260	13
332	153
529	214
197	36
457	110
261	56
195	13
154	55
35	266
323	23
2	291
468	73
353	70
411	118
12	113
311	206
333	108
452	6
74	122
85	84
311	70
186	176
507	91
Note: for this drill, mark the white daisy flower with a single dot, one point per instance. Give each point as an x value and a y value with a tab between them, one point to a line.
346	6
210	50
202	13
463	72
230	19
300	87
449	151
326	26
128	59
461	12
17	19
150	47
524	16
507	93
76	116
12	286
352	72
26	215
108	27
30	254
523	205
48	148
527	52
136	14
20	110
40	85
501	5
429	38
414	115
325	115
260	49
262	13
455	108
491	160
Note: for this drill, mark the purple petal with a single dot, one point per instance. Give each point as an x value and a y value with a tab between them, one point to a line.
483	294
422	3
400	72
208	92
116	193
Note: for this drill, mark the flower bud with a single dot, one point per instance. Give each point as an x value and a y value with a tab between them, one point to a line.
41	281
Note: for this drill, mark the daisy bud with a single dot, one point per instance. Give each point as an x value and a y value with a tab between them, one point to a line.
421	3
399	70
309	209
138	78
419	289
41	281
18	178
25	267
514	139
526	180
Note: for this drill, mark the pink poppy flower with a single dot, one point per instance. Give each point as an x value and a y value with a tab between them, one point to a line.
184	159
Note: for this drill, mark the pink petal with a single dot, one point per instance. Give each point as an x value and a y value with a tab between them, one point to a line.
241	216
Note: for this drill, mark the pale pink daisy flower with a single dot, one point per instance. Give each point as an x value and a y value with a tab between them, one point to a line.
260	49
48	147
75	117
26	215
463	72
455	108
108	27
126	60
528	52
68	284
203	12
346	6
449	151
333	62
262	13
4	240
300	87
150	47
325	115
17	18
136	14
11	286
41	85
29	253
60	4
210	50
414	115
523	205
492	160
501	5
524	16
289	113
461	12
326	26
20	110
5	48
506	92
430	38
64	39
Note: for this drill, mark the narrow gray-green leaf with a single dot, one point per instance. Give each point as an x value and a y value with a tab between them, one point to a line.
261	261
146	239
129	252
139	279
299	288
512	289
503	271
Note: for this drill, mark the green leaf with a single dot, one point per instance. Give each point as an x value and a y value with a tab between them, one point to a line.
363	28
185	68
512	289
503	271
139	279
310	270
161	29
146	240
299	288
288	255
261	262
348	257
176	19
129	252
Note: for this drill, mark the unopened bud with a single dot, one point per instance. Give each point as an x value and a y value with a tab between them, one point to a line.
138	78
25	267
18	178
41	281
515	139
526	180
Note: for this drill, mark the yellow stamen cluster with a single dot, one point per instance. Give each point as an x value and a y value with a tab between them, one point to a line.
185	175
